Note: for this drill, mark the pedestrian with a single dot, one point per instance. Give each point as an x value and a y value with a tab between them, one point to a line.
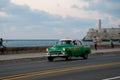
95	43
1	43
111	43
2	47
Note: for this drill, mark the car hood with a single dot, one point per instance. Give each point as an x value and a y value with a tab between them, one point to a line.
58	47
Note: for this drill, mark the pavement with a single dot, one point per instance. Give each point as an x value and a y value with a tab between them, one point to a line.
39	56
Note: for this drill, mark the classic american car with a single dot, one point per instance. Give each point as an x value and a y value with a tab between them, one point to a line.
67	48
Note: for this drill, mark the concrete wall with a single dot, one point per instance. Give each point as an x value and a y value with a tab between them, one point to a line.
104	46
19	50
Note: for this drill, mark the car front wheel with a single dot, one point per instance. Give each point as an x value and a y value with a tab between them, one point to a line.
69	56
85	56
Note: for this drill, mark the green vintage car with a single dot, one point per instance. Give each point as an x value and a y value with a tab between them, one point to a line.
67	48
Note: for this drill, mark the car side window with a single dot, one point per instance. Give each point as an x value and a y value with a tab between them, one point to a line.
68	42
80	43
74	42
77	43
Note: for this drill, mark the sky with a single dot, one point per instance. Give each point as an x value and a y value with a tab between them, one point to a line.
55	19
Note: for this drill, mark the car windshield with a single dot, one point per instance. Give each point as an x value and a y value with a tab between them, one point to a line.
64	42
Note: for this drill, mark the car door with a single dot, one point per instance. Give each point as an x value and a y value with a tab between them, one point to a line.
77	49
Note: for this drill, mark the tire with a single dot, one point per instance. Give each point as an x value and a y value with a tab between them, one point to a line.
50	59
85	56
69	56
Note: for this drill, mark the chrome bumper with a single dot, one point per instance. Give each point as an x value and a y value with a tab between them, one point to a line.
55	54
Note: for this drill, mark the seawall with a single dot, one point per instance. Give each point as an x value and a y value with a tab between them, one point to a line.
19	50
105	46
38	49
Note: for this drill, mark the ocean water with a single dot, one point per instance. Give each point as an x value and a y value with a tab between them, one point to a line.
41	42
27	43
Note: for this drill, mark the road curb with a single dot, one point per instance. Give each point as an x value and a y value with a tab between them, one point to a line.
44	57
22	60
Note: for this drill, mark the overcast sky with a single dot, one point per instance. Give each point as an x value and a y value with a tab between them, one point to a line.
55	19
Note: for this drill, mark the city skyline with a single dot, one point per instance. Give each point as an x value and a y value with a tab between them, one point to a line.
55	19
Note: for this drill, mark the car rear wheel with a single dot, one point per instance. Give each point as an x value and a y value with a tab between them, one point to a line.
50	58
85	56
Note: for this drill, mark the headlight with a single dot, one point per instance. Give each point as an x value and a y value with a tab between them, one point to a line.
63	49
47	49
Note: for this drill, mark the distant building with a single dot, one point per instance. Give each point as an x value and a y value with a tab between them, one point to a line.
103	33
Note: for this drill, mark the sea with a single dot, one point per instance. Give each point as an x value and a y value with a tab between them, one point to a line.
36	42
29	42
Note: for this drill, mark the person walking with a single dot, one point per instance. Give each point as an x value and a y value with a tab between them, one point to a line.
111	43
1	42
95	44
95	41
1	45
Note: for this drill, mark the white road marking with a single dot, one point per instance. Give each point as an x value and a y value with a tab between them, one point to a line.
117	77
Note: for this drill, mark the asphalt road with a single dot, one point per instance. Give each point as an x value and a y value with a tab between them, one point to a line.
96	67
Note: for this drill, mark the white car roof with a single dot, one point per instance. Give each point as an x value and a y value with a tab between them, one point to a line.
65	39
